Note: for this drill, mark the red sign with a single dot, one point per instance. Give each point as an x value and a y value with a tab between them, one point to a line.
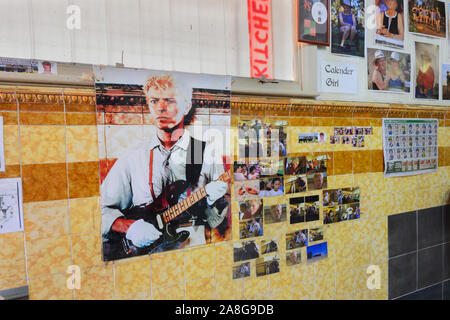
260	30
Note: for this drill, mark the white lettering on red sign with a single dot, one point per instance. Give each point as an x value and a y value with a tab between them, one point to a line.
260	30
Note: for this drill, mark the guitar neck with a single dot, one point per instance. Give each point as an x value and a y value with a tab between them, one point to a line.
189	201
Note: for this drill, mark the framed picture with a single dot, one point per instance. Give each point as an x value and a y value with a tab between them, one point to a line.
313	22
427	17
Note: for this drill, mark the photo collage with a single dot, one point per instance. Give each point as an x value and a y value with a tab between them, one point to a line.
410	145
263	178
350	135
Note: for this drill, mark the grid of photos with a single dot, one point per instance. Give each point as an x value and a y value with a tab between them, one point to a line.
304	209
351	135
341	205
410	146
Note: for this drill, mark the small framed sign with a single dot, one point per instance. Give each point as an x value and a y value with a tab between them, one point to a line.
313	22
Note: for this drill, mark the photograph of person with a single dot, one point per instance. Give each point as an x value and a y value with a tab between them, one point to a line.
427	71
297	210
446	81
388	70
268	246
390	23
274	210
295	184
271	167
427	17
267	265
271	187
317	252
293	257
251	228
250	209
250	139
295	165
316	164
317	181
347	27
47	67
245	250
312	208
315	234
248	170
275	135
297	239
241	271
156	175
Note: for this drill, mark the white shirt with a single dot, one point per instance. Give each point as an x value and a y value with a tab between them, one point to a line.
127	182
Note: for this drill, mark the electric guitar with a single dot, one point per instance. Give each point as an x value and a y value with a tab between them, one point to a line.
166	214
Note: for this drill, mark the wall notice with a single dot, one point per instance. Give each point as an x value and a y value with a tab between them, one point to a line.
410	146
11	217
338	77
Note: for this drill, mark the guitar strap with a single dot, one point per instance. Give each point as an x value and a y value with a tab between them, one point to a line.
194	163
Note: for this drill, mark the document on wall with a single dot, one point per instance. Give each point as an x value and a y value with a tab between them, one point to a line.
11	208
2	148
410	146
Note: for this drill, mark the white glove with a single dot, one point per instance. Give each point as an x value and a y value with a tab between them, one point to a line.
142	233
215	191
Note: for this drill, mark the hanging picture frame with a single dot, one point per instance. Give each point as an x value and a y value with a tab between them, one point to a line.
313	22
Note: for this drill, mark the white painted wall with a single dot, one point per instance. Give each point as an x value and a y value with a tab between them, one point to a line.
198	36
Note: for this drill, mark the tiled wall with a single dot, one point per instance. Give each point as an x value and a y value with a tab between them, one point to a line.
52	143
419	254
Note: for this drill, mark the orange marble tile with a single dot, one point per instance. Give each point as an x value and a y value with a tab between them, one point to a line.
172	292
325	287
48	219
12	171
51	287
345	282
361	254
12	257
41	107
344	257
11	144
46	256
96	284
253	286
132	277
167	269
83	179
44	182
284	293
342	161
304	290
41	118
322	122
203	289
300	122
83	212
199	263
87	249
73	119
80	108
361	161
82	143
9	118
229	289
281	279
43	144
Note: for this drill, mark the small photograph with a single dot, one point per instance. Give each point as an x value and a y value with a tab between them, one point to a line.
241	271
338	131
271	167
346	140
368	131
347	27
354	141
427	71
295	184
275	137
349	131
267	265
390	24
335	139
329	215
268	246
293	257
295	165
246	189
297	239
312	208
297	210
317	181
251	228
315	234
388	70
250	137
345	212
274	211
47	67
248	170
427	17
271	187
360	141
245	250
312	137
446	81
316	164
250	209
317	252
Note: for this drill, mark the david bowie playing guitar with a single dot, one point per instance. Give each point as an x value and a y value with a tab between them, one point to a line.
162	195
